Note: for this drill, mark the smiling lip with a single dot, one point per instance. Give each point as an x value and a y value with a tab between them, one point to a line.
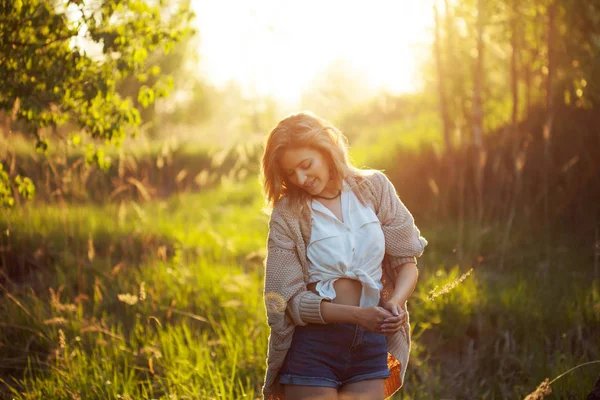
310	186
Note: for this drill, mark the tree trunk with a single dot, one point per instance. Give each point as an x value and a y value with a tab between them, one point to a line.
477	121
547	131
527	79
441	83
514	132
514	80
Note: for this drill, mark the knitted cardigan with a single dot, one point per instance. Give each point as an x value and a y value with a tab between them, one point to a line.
288	302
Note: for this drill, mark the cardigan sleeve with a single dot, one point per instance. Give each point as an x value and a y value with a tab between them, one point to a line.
285	289
403	240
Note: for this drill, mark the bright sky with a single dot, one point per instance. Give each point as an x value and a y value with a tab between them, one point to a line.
277	47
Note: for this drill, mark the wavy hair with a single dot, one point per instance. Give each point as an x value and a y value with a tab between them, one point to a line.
302	129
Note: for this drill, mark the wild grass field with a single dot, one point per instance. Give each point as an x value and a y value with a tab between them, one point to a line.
136	271
163	300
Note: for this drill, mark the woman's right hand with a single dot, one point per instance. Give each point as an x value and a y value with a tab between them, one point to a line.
371	318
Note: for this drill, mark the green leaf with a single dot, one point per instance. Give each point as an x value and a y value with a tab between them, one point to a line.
25	187
146	96
42	146
75	139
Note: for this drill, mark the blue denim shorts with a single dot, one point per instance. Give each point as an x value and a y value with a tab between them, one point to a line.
333	355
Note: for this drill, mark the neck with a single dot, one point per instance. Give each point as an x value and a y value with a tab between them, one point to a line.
332	190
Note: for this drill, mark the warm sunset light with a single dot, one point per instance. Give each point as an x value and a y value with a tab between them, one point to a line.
268	199
277	48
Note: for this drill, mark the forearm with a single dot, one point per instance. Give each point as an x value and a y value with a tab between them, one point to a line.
406	280
343	313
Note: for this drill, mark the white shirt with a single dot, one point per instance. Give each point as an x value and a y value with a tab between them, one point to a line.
350	249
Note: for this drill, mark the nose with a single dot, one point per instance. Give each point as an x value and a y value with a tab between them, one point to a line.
301	178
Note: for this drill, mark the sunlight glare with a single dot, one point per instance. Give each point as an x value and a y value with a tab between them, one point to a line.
275	48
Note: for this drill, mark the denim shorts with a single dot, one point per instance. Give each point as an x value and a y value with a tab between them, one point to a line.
333	355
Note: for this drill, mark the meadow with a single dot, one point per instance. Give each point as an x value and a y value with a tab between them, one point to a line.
136	271
161	298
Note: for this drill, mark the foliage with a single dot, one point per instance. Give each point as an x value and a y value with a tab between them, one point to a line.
575	57
61	61
192	103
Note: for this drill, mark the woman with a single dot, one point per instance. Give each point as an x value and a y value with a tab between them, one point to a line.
340	266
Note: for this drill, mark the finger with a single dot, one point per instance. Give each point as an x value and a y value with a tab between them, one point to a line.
386	309
390	332
389	328
395	327
396	324
398	321
392	328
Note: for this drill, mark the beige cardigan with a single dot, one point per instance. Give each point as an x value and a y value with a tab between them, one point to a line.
289	303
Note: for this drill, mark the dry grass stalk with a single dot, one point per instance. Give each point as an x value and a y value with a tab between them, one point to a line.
55	321
55	301
11	297
544	388
171	310
91	249
542	391
142	295
202	178
143	191
62	341
449	286
128	298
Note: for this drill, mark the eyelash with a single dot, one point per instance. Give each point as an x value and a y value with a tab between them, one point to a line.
308	166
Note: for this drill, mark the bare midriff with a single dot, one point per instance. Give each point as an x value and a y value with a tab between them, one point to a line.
347	291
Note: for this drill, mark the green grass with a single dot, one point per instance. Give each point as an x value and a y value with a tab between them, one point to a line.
193	323
379	143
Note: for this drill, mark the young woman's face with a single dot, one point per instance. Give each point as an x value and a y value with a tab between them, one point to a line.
306	168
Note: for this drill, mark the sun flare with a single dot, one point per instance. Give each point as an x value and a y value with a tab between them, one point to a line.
276	48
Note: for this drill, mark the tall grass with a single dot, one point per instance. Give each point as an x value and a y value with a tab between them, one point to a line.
164	300
180	308
128	292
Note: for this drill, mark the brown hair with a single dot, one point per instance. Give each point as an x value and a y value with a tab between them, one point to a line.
302	129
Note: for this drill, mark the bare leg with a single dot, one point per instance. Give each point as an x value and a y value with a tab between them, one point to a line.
300	392
369	389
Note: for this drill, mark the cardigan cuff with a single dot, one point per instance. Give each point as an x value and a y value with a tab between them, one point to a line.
310	308
397	261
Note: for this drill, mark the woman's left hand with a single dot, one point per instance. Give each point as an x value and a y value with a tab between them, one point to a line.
393	324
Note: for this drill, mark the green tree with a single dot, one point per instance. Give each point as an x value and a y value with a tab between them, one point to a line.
189	104
62	61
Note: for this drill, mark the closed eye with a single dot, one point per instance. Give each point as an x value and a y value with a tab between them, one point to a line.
306	165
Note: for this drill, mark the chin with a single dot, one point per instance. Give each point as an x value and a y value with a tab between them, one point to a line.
317	189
